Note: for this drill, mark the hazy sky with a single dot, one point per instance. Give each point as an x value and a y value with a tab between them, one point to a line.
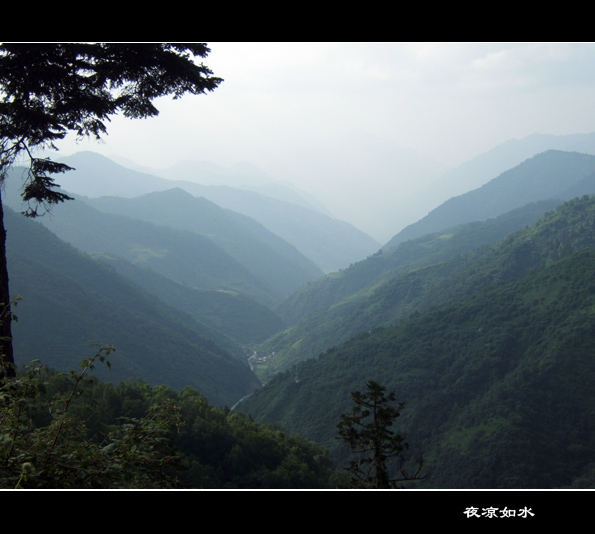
320	114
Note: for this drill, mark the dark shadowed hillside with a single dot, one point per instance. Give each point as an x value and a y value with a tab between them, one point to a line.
70	302
239	317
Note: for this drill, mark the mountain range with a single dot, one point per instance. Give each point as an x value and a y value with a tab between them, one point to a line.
494	369
479	316
340	305
71	303
536	178
329	243
479	170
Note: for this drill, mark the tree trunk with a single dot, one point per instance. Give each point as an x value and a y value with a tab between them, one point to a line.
6	353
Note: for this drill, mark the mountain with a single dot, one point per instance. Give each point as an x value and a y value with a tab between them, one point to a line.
551	174
242	176
185	257
477	171
264	254
382	289
69	302
330	243
379	291
288	193
496	375
237	316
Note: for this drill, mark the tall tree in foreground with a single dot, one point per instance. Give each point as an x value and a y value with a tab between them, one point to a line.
49	90
367	431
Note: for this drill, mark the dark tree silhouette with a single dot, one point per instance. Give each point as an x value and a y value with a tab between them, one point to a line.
49	90
367	431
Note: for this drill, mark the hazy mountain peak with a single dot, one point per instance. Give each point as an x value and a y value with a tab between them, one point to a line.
479	170
546	175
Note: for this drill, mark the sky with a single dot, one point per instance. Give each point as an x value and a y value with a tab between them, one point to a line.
349	121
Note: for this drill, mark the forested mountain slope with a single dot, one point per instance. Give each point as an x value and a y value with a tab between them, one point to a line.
186	257
70	301
241	318
261	252
496	379
132	435
433	248
384	288
332	309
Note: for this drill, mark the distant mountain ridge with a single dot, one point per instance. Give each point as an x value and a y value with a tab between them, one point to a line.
482	168
330	243
264	254
245	175
479	170
185	256
550	174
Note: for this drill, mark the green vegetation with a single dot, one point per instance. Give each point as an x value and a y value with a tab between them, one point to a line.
383	289
229	312
69	301
367	429
496	370
484	328
73	431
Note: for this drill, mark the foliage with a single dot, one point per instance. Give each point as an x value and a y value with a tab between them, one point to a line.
435	270
44	443
496	375
74	431
367	431
49	90
384	288
224	449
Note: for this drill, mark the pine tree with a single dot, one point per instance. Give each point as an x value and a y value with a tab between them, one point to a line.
50	89
367	430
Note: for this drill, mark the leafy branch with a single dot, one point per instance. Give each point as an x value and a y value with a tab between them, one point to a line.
136	453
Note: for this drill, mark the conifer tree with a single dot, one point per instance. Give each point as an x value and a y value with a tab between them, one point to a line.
49	90
367	430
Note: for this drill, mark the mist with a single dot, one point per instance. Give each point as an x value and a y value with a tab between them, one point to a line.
367	128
